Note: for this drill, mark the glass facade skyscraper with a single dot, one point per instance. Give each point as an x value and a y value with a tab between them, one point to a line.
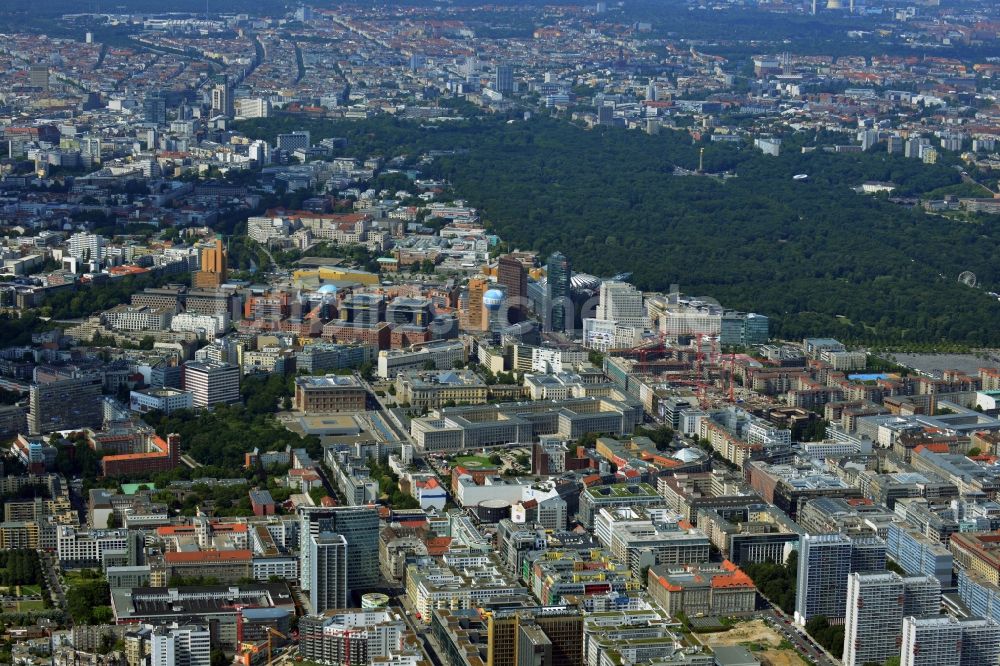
557	293
359	527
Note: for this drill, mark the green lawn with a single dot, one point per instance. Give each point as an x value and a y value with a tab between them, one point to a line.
28	590
959	190
473	461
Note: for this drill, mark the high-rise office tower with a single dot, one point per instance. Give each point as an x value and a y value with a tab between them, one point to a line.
475	318
222	98
513	276
304	13
518	632
359	527
533	647
64	403
867	554
214	268
921	595
211	383
980	641
558	306
622	303
363	309
90	149
824	565
876	605
605	114
38	76
154	108
504	83
873	617
941	640
172	645
213	259
931	641
86	247
327	571
292	141
260	151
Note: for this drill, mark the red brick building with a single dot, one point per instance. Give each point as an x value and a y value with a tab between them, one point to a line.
162	456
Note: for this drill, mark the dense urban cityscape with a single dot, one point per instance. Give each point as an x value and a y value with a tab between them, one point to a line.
425	333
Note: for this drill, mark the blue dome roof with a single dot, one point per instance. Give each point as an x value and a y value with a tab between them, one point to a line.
328	289
493	298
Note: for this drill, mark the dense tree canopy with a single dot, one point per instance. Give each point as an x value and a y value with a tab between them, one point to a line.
90	298
814	255
776	581
88	598
221	436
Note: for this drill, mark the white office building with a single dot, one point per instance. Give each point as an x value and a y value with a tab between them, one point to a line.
442	354
604	335
188	645
941	640
762	432
876	605
252	107
622	303
137	319
285	567
824	568
211	383
208	325
74	545
86	247
327	571
691	321
164	400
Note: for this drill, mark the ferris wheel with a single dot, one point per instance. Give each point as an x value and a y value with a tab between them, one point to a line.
968	278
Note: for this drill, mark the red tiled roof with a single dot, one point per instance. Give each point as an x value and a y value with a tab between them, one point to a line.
207	556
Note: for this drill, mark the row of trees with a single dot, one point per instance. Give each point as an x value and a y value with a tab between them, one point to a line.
776	581
20	567
829	636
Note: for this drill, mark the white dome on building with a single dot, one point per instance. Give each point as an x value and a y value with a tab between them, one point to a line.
689	455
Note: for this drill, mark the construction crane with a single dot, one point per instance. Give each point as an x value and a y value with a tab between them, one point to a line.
699	354
732	377
271	631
